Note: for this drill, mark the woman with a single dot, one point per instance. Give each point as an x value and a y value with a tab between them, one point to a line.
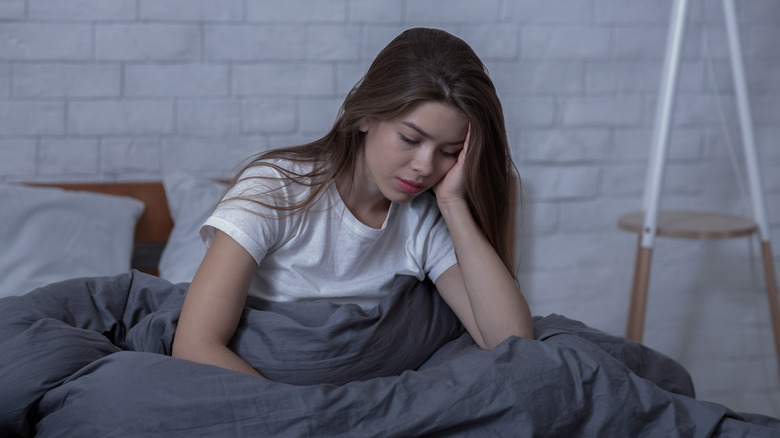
337	219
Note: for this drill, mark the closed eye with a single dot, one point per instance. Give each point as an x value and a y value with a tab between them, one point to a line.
408	140
450	154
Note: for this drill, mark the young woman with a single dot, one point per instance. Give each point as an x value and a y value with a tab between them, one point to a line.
337	219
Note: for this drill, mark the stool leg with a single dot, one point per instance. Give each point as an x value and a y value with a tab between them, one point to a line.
771	290
636	310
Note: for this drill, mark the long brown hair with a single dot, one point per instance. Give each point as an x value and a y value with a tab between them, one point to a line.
419	65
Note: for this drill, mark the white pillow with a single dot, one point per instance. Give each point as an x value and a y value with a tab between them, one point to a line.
190	201
51	234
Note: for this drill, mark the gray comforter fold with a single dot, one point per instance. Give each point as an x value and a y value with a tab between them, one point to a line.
90	357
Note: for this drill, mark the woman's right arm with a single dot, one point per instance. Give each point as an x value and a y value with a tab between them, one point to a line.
213	306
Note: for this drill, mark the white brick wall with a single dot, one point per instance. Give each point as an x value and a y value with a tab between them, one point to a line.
134	89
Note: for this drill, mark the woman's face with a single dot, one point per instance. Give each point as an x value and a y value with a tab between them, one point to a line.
408	154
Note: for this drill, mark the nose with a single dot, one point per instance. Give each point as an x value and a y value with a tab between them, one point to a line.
422	162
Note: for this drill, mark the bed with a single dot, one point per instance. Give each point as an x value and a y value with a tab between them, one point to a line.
89	355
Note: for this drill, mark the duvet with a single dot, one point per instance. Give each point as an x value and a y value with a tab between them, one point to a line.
91	357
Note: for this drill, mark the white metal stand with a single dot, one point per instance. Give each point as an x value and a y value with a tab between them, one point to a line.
653	222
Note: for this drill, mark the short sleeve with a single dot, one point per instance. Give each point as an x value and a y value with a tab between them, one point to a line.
439	250
256	227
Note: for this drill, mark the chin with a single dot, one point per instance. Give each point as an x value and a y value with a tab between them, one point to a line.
401	197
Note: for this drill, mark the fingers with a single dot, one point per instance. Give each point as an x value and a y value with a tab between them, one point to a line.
467	140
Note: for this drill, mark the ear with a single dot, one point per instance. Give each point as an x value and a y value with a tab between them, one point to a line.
364	125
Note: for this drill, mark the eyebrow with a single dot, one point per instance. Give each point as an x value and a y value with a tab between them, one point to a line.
428	136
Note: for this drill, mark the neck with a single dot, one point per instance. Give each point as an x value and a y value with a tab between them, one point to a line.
362	198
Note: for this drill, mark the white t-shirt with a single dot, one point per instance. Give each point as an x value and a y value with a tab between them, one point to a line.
324	252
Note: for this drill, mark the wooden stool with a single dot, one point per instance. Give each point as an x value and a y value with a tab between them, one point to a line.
691	225
652	222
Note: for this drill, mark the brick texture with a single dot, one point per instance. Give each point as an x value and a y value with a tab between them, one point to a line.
135	89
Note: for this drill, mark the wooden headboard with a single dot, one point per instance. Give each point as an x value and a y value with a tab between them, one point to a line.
153	227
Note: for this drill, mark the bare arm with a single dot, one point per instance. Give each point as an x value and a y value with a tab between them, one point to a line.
213	306
479	289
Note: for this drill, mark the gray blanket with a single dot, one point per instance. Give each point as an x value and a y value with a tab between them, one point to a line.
90	357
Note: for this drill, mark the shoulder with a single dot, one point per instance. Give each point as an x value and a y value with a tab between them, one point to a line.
277	168
273	175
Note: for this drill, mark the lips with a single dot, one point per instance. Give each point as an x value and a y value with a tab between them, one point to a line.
410	186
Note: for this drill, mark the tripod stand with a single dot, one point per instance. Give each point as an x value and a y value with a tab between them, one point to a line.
652	222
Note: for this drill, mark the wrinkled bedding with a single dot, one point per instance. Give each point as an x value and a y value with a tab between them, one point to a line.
91	357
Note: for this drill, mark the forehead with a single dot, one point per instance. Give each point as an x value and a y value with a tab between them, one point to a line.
434	118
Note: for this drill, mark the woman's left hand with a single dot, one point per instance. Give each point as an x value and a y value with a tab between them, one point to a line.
453	186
